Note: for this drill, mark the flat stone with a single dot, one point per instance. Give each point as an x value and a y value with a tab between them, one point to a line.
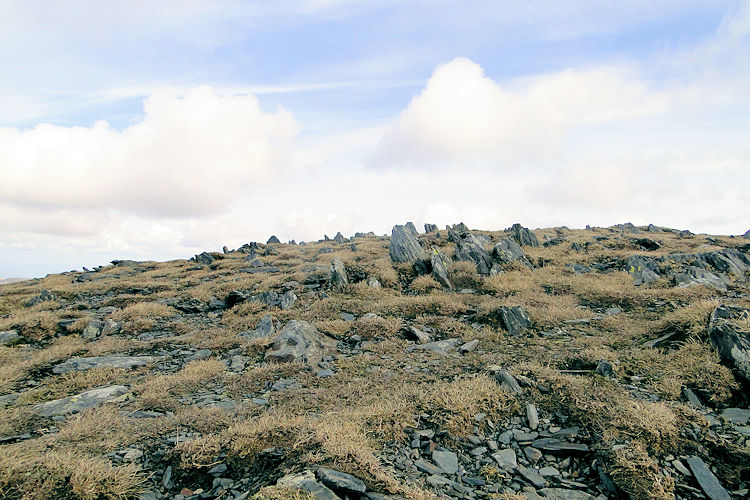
564	494
427	467
446	460
340	481
83	364
301	342
532	416
10	337
532	476
549	471
506	459
706	479
469	346
552	444
441	346
305	481
739	416
80	402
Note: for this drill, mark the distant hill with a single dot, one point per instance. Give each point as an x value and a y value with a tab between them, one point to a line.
8	281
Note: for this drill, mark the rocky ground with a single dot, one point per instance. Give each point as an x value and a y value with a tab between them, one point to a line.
454	363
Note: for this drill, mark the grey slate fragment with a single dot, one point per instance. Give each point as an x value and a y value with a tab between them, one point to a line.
10	337
340	481
506	459
446	460
80	402
83	364
532	416
532	476
552	444
305	481
706	479
564	494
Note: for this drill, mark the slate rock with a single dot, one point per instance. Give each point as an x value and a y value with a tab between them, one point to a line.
300	341
111	327
10	337
441	346
432	228
470	248
80	402
44	296
564	494
523	235
506	459
404	247
340	481
287	300
747	235
204	258
532	476
514	319
339	238
264	329
273	239
532	416
647	244
438	262
694	275
83	364
305	481
644	270
507	250
740	416
446	460
707	480
337	277
93	329
728	340
552	444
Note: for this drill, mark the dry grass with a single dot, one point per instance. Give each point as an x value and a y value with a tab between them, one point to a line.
638	475
157	392
142	315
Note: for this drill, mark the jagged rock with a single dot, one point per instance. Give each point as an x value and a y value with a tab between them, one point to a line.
204	258
696	276
337	277
514	319
93	329
415	333
729	341
404	247
44	296
532	416
552	444
301	342
506	459
647	244
10	337
470	248
441	346
411	227
287	300
523	236
505	379
340	481
305	481
446	460
272	239
83	364
706	479
80	402
627	227
459	228
432	228
339	238
439	270
729	261
644	270
507	250
747	235
654	229
264	329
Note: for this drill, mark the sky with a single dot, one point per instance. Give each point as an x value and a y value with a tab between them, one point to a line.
157	130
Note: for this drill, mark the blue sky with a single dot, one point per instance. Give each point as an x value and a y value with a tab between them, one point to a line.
158	129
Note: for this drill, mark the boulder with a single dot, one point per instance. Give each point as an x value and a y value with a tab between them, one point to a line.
411	227
10	337
523	235
299	341
287	300
647	244
693	275
80	402
747	235
507	250
337	276
514	319
93	329
728	339
339	238
438	262
44	296
471	248
204	258
340	481
273	239
644	270
404	247
432	228
305	481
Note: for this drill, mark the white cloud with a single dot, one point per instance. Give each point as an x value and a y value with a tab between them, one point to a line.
191	155
462	115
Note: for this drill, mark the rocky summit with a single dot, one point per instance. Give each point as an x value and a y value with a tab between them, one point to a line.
455	363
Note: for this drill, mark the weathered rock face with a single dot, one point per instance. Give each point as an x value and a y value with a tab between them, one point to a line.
523	236
339	238
301	342
83	364
507	250
470	248
439	270
432	228
273	239
337	277
728	339
643	269
80	402
404	246
697	276
204	258
514	319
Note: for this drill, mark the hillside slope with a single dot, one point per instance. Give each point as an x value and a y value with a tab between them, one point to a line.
556	363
